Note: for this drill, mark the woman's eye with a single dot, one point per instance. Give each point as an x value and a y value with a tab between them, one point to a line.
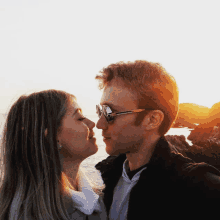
81	119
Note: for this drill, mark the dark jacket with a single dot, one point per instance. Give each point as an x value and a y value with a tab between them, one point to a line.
172	186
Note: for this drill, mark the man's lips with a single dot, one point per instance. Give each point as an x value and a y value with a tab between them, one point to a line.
105	136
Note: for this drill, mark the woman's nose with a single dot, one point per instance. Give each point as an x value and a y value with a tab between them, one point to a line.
91	124
102	123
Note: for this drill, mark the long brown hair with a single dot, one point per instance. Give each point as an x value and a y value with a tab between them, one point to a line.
31	171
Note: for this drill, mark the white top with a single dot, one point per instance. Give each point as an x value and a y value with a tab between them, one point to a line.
119	207
82	204
85	200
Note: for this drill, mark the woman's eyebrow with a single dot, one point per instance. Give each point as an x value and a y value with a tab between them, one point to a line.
77	110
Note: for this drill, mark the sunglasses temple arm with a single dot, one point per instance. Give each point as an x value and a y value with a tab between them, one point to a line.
121	113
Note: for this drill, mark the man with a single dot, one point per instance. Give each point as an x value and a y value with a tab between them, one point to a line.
144	175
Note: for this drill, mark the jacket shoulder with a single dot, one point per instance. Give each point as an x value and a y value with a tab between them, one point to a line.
201	178
213	178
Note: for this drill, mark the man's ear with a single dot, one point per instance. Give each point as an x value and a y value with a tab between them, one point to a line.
153	119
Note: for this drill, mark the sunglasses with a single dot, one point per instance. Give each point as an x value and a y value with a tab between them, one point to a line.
109	115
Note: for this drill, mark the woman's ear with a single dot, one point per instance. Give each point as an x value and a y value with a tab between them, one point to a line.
46	132
153	119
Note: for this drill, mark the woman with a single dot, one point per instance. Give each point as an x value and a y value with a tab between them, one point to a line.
45	139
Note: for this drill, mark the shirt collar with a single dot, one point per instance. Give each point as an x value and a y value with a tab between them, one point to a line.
125	175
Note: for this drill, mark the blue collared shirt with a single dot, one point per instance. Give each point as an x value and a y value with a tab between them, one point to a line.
119	207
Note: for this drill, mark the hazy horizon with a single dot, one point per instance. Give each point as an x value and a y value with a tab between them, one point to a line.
94	114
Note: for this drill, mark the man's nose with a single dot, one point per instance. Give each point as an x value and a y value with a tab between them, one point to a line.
102	123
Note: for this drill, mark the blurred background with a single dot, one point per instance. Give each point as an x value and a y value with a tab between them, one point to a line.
47	44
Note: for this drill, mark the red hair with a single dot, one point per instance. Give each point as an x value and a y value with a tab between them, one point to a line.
152	85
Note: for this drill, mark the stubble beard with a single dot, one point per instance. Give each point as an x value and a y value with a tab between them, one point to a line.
124	148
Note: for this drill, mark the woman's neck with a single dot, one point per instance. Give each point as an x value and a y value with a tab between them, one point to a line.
70	170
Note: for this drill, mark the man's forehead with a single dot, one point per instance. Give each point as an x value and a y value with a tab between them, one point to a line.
119	96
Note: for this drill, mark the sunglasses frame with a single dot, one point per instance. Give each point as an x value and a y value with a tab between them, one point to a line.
112	115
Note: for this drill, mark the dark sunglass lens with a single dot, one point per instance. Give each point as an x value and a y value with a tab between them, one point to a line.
107	112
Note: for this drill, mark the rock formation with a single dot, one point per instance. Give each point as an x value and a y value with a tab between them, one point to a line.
204	134
181	122
191	114
205	137
214	117
202	150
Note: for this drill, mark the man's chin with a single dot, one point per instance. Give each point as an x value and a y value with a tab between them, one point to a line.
119	148
113	152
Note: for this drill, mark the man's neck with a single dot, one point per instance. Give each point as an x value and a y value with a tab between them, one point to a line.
143	155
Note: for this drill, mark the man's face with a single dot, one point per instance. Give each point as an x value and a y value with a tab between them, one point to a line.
120	135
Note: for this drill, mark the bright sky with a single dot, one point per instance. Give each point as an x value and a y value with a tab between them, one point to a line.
49	44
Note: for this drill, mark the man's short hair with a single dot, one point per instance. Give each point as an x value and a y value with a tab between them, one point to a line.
152	85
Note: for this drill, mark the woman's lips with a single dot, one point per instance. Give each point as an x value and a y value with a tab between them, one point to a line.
92	139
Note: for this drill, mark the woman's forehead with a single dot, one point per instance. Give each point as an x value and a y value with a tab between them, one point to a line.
73	105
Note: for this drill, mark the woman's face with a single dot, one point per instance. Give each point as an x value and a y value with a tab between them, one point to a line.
75	134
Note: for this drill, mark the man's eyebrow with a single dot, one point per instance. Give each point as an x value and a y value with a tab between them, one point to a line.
77	110
115	107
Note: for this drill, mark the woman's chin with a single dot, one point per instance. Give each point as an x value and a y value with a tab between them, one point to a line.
96	148
92	140
93	147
